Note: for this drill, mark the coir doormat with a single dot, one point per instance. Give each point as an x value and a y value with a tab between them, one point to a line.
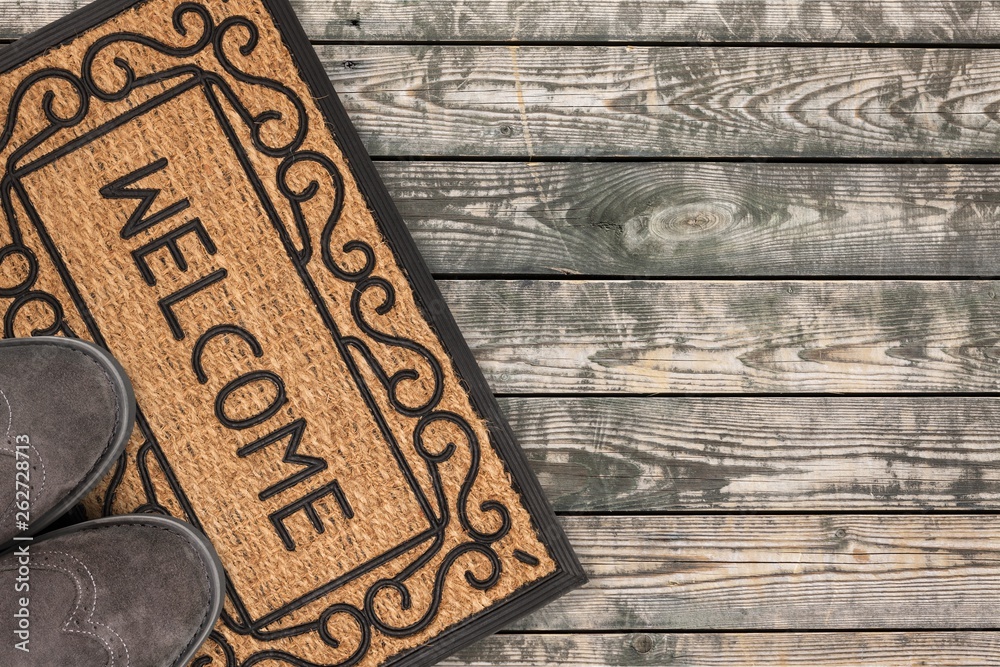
181	185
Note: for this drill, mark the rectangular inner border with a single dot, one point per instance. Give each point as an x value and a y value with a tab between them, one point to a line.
95	331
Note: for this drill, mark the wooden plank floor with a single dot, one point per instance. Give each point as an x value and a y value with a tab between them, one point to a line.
731	267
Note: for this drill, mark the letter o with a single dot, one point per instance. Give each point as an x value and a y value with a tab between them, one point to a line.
239	424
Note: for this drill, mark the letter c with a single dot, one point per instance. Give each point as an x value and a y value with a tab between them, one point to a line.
215	332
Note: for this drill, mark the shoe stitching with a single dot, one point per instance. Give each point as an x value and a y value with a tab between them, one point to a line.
10	414
78	586
128	660
205	570
66	628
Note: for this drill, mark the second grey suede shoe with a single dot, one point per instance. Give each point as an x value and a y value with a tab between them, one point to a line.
66	412
124	591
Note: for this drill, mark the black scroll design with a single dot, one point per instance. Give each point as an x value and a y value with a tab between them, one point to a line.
298	197
218	36
321	626
269	116
481	541
23	292
374	297
366	282
132	80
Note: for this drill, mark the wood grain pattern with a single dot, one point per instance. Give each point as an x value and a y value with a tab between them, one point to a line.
618	101
892	21
886	21
731	336
700	219
763	454
779	572
791	649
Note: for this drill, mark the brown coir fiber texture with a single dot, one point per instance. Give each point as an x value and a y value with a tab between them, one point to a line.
192	456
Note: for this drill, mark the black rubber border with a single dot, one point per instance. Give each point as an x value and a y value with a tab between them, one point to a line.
569	573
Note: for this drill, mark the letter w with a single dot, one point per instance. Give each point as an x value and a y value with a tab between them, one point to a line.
122	189
294	432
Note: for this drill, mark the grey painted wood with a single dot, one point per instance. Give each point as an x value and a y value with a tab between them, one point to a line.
887	21
949	21
792	649
623	101
764	454
731	336
749	572
701	219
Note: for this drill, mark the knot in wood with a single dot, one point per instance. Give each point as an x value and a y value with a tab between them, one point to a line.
642	643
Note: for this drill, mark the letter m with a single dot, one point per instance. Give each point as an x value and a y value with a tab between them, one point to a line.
293	431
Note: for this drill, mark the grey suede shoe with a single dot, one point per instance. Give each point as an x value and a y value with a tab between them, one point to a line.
123	591
66	413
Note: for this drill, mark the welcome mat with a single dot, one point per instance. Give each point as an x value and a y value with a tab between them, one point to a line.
181	185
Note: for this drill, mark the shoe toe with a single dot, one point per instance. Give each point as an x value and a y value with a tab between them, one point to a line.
66	409
138	590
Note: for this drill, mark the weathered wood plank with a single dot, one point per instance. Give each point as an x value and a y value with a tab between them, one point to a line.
886	21
701	219
790	572
791	649
731	336
622	101
763	454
